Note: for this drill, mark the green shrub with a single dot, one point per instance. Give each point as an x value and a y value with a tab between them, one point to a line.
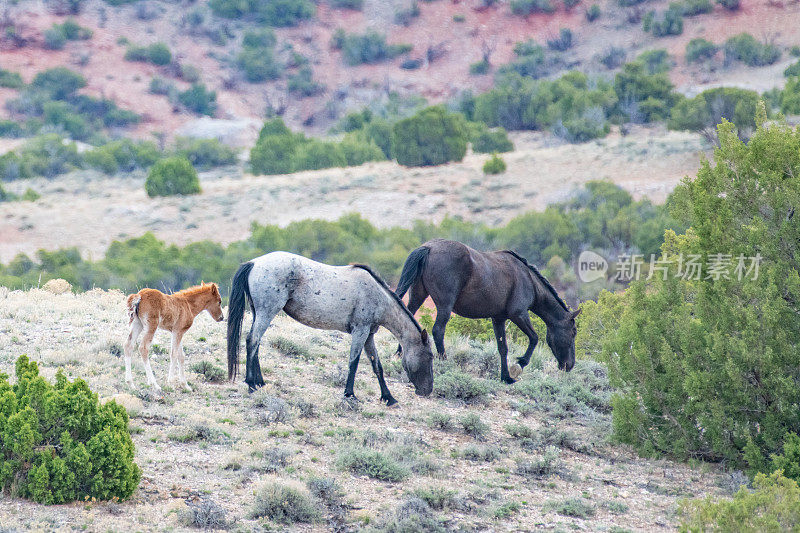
486	141
315	155
431	137
530	61
370	47
156	53
58	83
46	155
745	48
563	42
711	393
774	505
613	57
730	5
707	109
372	463
693	8
210	372
481	454
655	61
788	462
276	13
260	38
506	510
171	176
59	444
274	154
122	156
474	426
670	22
302	83
204	154
10	80
459	17
646	97
593	13
789	98
380	132
356	5
405	16
529	7
541	466
494	165
457	385
480	68
792	70
199	99
9	128
441	421
6	196
357	149
285	504
54	39
574	507
700	49
259	64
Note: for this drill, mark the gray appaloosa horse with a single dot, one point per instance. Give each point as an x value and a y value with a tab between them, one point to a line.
352	299
499	285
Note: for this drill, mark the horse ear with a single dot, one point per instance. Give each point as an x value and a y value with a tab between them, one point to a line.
576	313
424	336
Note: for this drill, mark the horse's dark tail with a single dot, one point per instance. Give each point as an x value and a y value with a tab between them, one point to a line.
240	293
412	269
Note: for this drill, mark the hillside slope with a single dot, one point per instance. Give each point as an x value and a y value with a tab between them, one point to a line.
492	30
89	211
222	444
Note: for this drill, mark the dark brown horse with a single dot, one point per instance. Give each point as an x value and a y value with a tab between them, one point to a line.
498	285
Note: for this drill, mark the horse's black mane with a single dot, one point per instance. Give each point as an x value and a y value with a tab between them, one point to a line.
383	284
540	276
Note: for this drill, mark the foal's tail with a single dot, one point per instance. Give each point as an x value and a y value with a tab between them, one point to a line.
240	293
133	306
412	269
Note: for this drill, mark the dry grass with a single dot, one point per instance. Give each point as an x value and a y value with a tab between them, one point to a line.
219	444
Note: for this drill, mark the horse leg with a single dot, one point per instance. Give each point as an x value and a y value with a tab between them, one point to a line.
172	356
261	321
443	313
523	322
130	344
372	353
359	335
180	359
499	325
415	300
150	331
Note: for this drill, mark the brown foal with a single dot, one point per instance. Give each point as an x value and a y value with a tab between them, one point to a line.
149	310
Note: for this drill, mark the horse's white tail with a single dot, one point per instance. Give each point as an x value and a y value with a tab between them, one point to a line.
133	306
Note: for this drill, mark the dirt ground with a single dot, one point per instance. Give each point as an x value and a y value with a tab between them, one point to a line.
88	210
226	460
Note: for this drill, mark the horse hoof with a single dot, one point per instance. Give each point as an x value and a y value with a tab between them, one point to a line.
515	371
390	401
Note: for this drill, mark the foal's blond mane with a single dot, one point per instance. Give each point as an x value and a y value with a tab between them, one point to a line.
194	291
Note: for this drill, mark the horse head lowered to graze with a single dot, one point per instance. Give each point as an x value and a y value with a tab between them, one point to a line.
150	309
352	299
499	285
